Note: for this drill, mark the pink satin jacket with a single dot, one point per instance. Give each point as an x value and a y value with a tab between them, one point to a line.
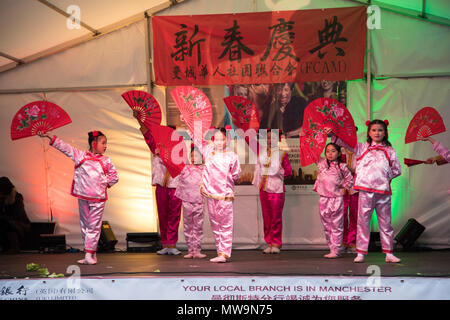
220	172
270	172
93	175
443	151
189	182
160	174
376	166
332	181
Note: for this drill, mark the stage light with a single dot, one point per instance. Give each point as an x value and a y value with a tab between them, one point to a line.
33	238
143	242
52	243
409	233
108	240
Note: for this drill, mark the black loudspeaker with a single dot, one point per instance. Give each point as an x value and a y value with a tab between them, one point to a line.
143	242
108	240
410	232
52	243
33	238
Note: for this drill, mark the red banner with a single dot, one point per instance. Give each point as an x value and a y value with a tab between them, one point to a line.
262	47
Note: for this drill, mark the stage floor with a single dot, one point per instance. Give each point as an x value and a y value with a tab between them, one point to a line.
243	263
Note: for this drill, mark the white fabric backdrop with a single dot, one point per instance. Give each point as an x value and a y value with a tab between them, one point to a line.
406	46
119	59
116	58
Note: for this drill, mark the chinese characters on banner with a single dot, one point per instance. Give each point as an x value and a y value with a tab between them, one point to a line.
262	47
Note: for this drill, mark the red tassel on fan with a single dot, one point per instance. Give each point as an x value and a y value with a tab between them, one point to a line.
38	117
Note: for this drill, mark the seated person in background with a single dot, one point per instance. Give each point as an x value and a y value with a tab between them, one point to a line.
14	223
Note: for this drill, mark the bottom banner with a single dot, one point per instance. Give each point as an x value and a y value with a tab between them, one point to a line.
227	288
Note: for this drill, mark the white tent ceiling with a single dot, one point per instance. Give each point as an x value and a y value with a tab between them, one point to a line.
30	27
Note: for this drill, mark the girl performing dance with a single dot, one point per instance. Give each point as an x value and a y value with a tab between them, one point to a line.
333	177
222	168
376	165
94	174
169	206
188	190
270	170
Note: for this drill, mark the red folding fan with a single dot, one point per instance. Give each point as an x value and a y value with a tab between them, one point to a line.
327	112
38	117
412	162
243	111
172	148
311	145
196	110
426	122
245	116
149	111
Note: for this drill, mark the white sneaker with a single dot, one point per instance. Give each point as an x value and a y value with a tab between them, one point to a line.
173	251
163	251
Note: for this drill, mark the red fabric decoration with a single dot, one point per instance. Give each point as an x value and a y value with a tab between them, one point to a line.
37	117
95	135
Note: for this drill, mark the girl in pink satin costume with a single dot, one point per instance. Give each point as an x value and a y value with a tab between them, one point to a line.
271	168
94	174
168	205
376	165
222	169
333	177
188	190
